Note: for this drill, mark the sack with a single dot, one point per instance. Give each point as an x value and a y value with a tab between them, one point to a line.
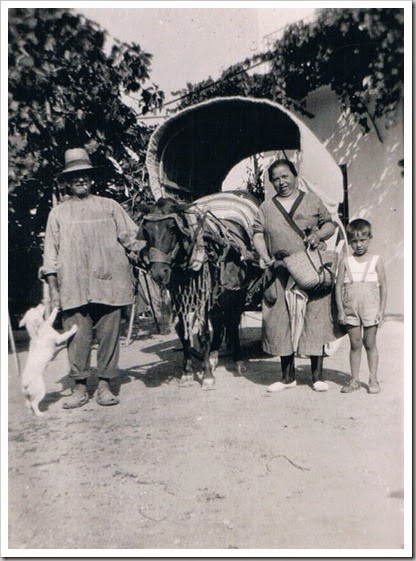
312	270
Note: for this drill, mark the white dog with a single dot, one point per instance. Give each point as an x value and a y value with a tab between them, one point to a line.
43	341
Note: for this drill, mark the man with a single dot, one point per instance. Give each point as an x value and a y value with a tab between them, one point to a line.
89	275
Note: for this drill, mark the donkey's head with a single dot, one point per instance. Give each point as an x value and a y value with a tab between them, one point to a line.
164	229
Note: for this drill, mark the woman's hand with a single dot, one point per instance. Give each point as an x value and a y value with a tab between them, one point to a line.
281	254
265	261
312	240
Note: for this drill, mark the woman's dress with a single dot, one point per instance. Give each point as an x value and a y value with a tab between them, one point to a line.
308	211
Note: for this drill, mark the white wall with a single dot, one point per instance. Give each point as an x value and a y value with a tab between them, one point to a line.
375	183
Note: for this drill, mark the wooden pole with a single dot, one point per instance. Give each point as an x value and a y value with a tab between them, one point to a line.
13	346
151	303
131	321
344	206
46	293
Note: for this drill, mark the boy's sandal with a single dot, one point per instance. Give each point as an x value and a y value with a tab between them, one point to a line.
352	386
77	399
374	387
105	397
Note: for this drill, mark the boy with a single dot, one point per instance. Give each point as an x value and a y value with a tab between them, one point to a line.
361	294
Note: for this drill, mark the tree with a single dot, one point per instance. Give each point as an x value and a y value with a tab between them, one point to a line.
65	91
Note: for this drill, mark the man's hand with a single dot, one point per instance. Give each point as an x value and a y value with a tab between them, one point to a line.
55	298
52	281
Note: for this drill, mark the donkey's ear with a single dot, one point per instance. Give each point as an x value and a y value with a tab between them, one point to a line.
182	207
143	208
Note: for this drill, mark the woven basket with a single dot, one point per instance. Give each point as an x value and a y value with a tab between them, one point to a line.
312	270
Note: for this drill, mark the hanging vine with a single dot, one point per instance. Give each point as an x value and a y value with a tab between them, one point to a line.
358	53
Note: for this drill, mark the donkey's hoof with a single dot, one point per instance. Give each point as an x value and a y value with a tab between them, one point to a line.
208	384
240	367
186	380
213	360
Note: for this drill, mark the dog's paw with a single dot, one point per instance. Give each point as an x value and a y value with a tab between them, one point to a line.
40	413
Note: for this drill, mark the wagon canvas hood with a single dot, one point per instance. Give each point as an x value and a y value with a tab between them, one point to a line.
192	152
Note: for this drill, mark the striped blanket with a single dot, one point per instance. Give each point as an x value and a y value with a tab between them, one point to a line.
238	206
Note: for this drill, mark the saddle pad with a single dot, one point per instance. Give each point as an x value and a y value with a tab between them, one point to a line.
239	207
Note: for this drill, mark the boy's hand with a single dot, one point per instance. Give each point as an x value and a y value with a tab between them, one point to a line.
380	319
342	318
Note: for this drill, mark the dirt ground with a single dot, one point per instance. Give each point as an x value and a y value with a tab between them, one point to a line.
233	468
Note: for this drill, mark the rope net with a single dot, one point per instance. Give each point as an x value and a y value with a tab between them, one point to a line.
192	297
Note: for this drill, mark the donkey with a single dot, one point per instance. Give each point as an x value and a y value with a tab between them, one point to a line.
208	265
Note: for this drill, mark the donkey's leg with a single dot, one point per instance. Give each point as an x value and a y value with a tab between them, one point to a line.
208	380
232	318
218	328
187	375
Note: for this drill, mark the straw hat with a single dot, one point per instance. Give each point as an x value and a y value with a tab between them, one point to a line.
77	160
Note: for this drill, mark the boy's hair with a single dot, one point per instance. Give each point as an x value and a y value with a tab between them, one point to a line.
282	162
358	226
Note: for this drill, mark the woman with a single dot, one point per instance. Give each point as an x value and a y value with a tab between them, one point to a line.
275	238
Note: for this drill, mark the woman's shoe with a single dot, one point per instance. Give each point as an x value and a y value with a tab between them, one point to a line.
352	386
280	386
320	386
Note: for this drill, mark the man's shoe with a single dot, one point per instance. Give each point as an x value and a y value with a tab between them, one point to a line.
77	399
105	397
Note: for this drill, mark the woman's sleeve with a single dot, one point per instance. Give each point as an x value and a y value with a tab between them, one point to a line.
324	215
259	221
51	246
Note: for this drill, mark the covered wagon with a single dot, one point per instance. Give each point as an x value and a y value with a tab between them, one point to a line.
197	235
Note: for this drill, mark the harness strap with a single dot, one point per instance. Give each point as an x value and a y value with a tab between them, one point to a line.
288	216
370	264
348	270
366	271
157	256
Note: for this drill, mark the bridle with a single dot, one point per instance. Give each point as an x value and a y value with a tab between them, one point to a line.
156	255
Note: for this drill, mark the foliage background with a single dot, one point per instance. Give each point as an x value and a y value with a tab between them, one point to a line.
357	52
65	91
